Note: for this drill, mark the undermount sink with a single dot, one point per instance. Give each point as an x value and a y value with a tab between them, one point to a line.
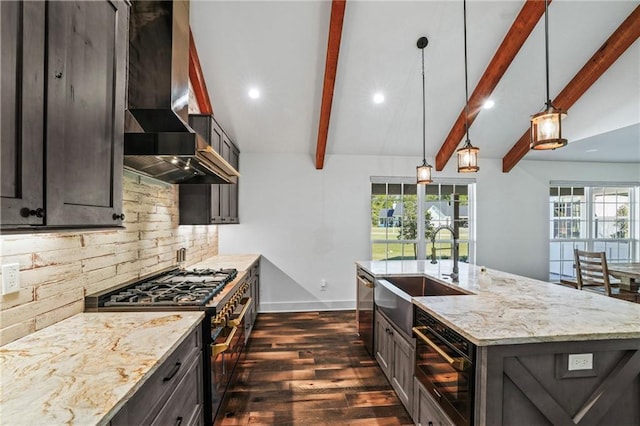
422	286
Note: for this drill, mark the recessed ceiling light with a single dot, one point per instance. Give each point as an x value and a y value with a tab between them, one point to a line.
254	93
378	98
488	104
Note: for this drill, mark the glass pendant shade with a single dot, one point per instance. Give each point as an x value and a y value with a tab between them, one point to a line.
468	158
423	174
546	129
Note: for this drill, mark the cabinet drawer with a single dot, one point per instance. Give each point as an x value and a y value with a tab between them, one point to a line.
425	410
143	407
184	406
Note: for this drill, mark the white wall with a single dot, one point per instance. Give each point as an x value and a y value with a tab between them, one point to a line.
313	224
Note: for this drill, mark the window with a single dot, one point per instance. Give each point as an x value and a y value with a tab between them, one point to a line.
593	217
404	217
393	221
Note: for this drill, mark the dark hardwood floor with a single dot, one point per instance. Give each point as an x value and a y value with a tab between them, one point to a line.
309	368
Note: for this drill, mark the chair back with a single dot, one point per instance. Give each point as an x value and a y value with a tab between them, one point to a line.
592	270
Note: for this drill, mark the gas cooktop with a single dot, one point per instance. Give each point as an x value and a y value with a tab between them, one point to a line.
189	287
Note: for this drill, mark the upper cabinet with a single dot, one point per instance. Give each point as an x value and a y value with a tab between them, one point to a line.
63	92
22	91
211	204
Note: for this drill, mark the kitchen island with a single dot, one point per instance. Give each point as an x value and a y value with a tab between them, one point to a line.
85	369
525	330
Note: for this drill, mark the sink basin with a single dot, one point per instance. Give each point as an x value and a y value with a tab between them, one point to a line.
393	297
422	286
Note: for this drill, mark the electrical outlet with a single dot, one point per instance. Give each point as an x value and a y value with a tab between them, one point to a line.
10	278
580	362
323	284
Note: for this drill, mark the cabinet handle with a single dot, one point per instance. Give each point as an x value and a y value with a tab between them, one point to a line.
178	421
430	424
173	372
118	216
26	212
58	74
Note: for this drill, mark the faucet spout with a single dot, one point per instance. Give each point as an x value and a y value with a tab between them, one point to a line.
454	249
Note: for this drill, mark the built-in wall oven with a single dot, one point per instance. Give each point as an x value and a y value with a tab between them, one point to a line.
364	308
445	366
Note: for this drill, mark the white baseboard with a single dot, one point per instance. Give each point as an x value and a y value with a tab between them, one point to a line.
315	305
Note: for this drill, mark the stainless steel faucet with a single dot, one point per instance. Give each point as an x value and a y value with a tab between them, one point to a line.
454	249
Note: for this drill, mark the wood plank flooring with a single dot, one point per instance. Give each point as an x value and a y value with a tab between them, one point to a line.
309	368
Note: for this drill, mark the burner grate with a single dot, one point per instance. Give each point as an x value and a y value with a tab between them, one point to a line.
177	288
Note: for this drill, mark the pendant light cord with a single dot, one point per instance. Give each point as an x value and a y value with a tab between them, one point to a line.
546	47
424	116
466	78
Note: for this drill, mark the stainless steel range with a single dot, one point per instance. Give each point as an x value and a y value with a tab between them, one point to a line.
217	292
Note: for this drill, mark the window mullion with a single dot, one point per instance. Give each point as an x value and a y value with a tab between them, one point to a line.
420	240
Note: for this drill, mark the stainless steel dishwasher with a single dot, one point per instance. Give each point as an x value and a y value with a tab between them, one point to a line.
364	308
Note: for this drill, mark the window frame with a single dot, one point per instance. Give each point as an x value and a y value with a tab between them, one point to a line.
421	242
587	239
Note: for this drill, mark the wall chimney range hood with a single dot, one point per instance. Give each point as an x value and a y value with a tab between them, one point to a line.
158	142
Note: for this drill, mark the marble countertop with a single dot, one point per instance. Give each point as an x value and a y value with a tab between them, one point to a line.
511	309
84	369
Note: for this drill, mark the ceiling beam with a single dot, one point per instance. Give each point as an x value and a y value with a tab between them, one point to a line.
197	79
330	70
522	26
626	34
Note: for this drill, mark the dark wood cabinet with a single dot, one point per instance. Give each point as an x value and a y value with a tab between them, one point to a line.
211	204
173	394
22	90
63	140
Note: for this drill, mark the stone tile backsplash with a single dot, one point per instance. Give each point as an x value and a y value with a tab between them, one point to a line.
58	268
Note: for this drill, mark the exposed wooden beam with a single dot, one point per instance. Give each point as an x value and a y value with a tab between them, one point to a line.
330	69
522	26
197	79
623	37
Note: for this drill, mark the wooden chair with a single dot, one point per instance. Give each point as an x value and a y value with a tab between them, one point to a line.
592	274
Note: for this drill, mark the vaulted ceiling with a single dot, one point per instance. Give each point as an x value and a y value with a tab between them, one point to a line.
281	49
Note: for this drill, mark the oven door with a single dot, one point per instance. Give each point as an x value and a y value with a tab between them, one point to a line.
446	373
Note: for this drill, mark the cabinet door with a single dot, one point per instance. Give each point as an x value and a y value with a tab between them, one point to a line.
233	189
226	147
426	411
404	359
22	89
85	111
383	344
225	206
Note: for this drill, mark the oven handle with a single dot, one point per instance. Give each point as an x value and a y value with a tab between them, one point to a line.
219	348
366	283
237	321
459	364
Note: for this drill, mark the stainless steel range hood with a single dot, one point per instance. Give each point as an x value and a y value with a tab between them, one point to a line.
158	142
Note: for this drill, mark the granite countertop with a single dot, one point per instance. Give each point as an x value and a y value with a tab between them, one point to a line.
241	262
84	369
512	309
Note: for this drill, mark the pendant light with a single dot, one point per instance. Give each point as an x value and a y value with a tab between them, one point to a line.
546	126
423	171
468	154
